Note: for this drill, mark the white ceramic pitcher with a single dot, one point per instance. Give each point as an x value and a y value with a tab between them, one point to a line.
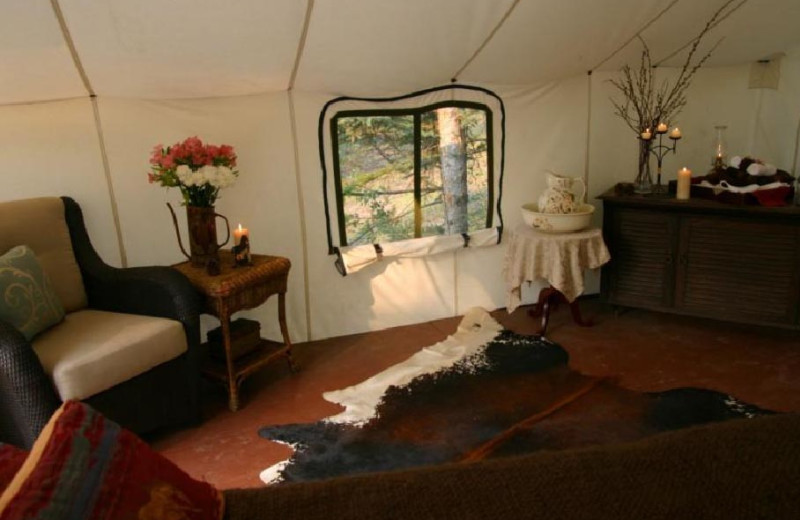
559	196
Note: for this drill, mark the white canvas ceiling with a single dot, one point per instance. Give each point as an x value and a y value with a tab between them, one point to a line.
206	48
163	70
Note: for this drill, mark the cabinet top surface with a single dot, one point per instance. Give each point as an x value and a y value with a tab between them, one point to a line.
695	205
235	279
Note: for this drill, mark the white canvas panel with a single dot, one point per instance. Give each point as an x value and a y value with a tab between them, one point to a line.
355	258
777	129
545	130
367	47
385	294
263	199
546	40
186	48
51	149
757	30
35	63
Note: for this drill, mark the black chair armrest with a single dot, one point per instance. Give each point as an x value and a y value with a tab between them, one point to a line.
27	396
152	291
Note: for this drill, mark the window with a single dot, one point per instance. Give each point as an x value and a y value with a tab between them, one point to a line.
411	173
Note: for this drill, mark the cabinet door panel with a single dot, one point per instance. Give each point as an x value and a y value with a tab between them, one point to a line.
738	270
642	253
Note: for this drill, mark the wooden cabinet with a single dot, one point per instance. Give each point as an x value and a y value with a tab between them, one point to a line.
704	258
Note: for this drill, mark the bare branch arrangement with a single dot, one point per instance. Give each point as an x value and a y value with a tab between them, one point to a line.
644	104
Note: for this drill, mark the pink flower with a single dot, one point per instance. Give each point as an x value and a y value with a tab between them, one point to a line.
178	151
167	162
158	151
151	178
193	144
199	158
226	151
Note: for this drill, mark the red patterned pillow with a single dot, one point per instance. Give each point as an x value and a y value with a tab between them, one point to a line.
85	466
11	458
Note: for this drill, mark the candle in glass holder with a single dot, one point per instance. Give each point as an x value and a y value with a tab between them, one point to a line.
675	134
646	135
684	184
661	128
239	233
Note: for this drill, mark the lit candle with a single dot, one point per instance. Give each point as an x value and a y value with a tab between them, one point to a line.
646	135
676	133
239	233
684	184
661	128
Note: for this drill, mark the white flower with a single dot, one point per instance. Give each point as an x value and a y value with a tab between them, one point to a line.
183	172
225	177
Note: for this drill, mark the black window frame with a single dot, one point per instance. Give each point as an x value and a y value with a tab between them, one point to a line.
416	113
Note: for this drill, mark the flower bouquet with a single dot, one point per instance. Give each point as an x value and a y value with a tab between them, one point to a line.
199	170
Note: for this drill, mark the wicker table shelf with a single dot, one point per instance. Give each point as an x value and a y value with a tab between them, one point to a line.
235	289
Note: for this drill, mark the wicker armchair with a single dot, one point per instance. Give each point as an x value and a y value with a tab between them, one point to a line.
167	394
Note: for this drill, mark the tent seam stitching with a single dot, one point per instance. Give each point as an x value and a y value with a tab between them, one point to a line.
62	22
489	38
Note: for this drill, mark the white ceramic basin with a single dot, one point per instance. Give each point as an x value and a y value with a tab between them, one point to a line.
557	222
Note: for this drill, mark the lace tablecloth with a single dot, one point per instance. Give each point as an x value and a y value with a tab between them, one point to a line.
559	259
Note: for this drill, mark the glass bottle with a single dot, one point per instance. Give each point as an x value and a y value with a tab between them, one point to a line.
720	148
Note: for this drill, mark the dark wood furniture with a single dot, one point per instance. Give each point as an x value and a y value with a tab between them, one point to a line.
703	258
235	289
551	298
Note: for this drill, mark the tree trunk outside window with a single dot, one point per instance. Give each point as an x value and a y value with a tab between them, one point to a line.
453	151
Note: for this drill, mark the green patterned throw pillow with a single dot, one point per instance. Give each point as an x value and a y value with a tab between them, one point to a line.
27	300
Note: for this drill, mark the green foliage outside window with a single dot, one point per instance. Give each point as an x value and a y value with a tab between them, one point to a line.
385	198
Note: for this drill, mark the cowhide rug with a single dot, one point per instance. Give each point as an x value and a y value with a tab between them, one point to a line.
483	392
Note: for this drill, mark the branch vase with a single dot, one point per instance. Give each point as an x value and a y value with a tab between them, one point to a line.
644	180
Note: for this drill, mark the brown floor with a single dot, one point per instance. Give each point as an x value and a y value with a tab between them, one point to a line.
645	351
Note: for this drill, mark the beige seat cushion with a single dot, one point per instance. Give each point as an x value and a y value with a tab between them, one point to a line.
40	224
91	351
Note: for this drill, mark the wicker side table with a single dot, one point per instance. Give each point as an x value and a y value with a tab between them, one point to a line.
235	289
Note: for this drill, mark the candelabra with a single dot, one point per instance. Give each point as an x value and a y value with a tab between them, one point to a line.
660	150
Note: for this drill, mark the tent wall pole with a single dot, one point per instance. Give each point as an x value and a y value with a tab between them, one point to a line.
588	135
302	213
295	145
123	256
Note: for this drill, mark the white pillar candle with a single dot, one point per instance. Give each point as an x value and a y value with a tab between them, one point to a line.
676	133
646	135
662	128
684	184
239	233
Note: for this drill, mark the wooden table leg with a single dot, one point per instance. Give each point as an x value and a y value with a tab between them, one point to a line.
550	297
285	331
233	383
576	315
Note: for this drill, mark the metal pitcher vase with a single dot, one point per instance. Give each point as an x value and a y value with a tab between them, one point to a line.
203	246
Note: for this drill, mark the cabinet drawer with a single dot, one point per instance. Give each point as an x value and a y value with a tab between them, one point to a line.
641	270
739	270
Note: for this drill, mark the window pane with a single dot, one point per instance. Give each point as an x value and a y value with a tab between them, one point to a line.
376	167
454	175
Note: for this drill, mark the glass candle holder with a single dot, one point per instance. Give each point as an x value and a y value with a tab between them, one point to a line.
720	147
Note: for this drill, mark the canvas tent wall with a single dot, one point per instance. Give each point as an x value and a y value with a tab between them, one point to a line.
88	88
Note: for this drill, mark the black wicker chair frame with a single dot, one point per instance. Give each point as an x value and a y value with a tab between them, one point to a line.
166	395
